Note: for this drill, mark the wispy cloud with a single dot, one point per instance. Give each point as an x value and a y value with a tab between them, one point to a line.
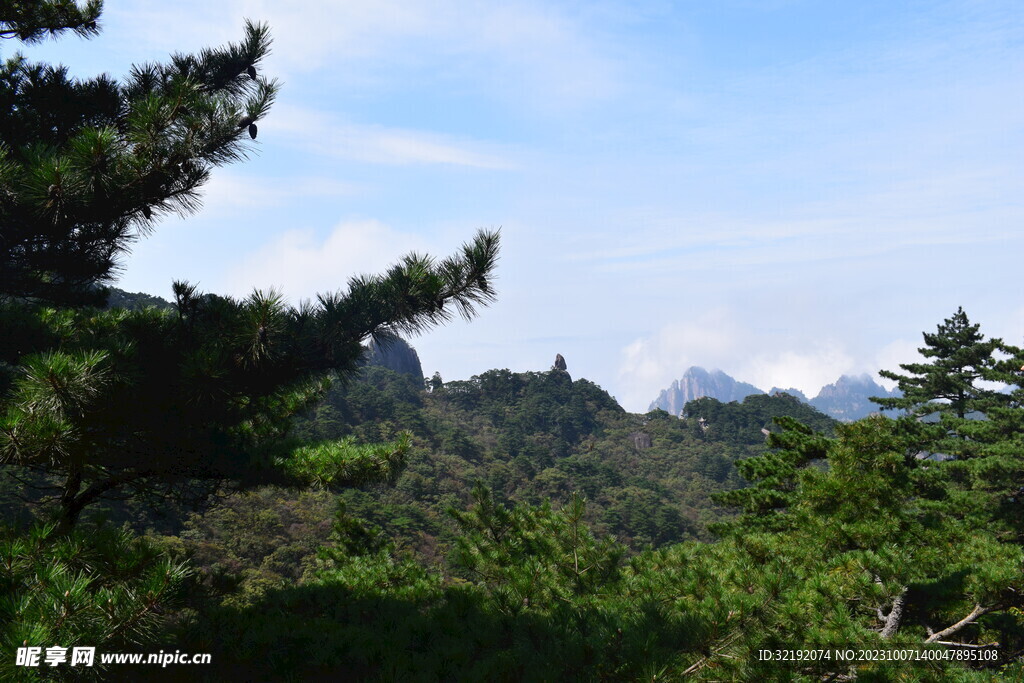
533	53
743	349
228	191
301	264
326	134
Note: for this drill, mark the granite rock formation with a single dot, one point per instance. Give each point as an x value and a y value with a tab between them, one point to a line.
698	383
395	355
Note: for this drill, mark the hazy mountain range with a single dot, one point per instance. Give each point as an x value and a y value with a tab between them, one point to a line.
846	399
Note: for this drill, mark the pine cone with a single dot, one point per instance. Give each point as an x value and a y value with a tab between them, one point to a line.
251	70
252	130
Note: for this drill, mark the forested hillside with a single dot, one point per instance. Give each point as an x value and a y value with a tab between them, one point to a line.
534	438
539	436
537	530
510	439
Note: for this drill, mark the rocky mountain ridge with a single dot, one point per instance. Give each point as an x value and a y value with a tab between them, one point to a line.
698	383
846	399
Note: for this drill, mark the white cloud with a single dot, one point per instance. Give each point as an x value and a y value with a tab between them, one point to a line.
300	265
322	133
892	355
649	364
717	340
523	51
807	370
228	192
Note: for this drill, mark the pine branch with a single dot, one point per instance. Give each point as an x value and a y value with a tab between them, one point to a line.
969	646
31	22
975	613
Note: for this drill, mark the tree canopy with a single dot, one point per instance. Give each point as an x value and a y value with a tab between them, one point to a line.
89	166
149	399
960	358
31	22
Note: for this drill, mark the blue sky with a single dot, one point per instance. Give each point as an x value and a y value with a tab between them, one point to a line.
784	190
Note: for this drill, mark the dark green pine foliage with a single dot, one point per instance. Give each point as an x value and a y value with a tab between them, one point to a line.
980	429
155	401
104	588
87	166
31	22
940	395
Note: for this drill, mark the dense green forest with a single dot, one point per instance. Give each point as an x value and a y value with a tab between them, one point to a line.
234	477
538	531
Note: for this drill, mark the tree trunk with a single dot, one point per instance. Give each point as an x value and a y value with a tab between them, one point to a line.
69	507
892	621
72	502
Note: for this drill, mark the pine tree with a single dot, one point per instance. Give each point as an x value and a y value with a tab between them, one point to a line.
850	542
940	400
87	166
981	428
153	402
949	384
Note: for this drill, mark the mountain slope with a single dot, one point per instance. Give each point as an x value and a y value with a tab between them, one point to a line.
537	436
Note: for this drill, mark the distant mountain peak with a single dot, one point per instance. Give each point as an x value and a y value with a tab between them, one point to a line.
696	383
846	399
